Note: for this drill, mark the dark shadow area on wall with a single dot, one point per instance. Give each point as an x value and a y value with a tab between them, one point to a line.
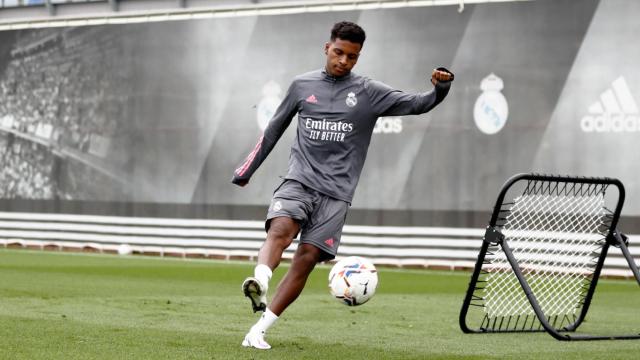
7	37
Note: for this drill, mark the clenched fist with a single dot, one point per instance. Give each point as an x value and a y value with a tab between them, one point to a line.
441	75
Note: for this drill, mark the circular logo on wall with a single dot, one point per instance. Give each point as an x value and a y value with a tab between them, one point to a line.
269	104
491	110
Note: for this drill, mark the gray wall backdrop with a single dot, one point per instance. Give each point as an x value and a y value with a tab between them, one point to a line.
160	114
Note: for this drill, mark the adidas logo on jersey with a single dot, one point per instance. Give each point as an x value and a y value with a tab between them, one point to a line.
312	99
616	111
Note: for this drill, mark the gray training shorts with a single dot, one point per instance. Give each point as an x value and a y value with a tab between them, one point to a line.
321	217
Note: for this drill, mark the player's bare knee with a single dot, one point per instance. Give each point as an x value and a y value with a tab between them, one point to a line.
282	231
279	240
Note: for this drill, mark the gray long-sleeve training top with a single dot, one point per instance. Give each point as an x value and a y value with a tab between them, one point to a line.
336	118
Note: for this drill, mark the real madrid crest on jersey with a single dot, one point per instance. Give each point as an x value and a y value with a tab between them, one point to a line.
351	100
491	109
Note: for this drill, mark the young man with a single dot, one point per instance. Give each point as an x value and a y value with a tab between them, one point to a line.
337	111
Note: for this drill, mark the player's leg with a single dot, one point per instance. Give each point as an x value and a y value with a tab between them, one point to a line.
289	208
319	242
304	261
282	231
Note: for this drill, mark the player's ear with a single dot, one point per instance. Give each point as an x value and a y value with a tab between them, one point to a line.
326	48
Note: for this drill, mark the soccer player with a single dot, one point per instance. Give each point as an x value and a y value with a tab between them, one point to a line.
337	111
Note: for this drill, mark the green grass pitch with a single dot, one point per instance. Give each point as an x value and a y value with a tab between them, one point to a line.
79	306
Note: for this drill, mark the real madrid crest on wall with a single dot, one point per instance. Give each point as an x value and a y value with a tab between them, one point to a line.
491	109
269	103
351	99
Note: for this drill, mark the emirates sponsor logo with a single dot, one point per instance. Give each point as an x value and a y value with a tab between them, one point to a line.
324	130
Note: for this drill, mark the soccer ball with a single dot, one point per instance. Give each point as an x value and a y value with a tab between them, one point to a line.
353	280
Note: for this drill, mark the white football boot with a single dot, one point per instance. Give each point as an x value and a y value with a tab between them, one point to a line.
255	339
256	292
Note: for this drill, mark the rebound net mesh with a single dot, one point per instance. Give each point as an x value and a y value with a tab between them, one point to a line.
556	232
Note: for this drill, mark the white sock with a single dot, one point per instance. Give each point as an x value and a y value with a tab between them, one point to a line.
266	320
263	273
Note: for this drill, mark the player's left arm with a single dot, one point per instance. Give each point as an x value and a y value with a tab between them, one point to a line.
387	101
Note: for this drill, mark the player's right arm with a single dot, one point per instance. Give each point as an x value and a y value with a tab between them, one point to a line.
386	101
276	127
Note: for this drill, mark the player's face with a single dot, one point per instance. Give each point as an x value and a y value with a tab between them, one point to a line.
342	56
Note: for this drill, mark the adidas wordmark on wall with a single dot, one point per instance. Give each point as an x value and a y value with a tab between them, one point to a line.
616	111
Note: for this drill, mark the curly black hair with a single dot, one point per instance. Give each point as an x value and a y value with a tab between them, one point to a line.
349	31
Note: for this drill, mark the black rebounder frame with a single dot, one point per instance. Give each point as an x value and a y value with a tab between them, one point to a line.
493	237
